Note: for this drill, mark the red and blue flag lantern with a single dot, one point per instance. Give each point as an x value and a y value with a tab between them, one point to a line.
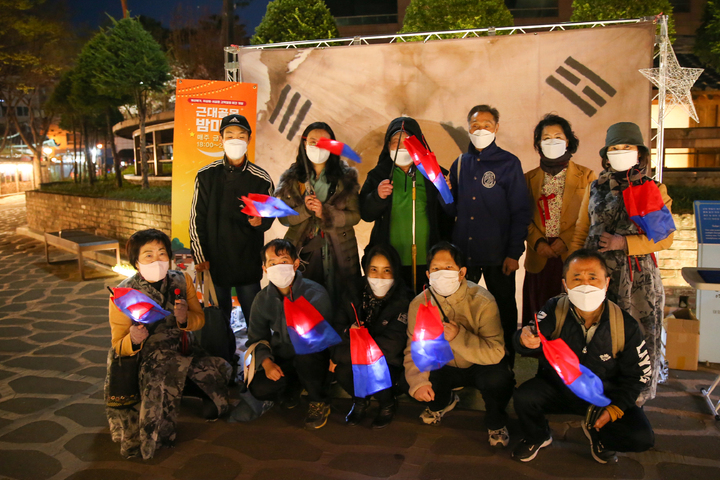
579	379
370	369
429	348
138	306
428	166
645	207
338	148
265	206
309	331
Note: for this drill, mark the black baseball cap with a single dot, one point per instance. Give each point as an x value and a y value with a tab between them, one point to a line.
235	120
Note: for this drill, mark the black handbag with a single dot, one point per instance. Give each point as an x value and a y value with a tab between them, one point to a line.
216	336
123	383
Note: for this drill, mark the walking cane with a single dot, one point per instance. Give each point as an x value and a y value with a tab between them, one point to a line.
414	245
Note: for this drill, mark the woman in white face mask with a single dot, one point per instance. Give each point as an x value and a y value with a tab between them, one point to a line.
381	300
604	225
169	353
556	187
323	190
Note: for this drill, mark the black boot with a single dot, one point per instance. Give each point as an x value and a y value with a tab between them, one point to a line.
385	415
357	412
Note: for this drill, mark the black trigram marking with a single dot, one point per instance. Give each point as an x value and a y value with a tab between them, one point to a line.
289	112
574	96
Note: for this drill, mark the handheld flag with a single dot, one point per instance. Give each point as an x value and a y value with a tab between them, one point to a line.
645	206
259	205
138	306
338	148
579	379
309	331
370	369
427	164
429	348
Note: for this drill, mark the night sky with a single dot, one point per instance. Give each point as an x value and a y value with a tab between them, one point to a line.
91	13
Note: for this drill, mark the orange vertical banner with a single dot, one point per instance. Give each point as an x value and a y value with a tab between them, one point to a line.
200	105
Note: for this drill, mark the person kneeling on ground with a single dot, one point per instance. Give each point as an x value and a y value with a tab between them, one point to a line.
381	300
610	343
280	373
472	327
170	359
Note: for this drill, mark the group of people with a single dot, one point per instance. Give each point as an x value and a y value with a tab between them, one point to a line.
587	262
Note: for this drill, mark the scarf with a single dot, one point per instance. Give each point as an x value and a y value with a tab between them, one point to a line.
555	165
619	181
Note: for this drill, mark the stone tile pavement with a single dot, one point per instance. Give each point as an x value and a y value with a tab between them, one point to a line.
53	341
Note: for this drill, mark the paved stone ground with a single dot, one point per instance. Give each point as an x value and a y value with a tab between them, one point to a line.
53	341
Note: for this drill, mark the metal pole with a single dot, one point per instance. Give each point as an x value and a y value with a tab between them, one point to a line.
414	245
662	94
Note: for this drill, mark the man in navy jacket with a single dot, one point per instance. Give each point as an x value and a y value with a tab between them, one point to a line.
493	212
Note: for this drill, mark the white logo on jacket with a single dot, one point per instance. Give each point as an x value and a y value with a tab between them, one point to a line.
605	357
488	180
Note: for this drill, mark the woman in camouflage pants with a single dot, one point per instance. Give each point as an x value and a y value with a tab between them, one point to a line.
168	353
604	225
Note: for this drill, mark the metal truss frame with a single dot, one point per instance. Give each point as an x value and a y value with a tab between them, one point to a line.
232	63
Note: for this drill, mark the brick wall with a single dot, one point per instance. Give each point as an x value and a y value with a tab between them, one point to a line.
683	253
47	212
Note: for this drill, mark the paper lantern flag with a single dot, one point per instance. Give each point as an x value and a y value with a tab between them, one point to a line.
645	206
429	349
370	369
138	306
428	166
309	331
338	148
579	379
265	206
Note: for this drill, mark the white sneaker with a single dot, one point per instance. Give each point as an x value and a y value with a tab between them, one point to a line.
499	438
429	417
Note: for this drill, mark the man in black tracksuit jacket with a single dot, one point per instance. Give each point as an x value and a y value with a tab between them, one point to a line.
623	376
222	238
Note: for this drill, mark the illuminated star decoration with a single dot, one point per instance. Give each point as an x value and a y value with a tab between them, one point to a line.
678	81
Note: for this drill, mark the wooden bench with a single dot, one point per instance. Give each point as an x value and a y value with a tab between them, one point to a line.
78	242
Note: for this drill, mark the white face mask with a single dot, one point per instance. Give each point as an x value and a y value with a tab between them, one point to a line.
622	160
553	148
403	158
317	155
235	148
587	298
281	275
482	138
153	272
380	286
445	282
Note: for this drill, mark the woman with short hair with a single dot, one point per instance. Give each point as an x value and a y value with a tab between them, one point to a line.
556	189
170	360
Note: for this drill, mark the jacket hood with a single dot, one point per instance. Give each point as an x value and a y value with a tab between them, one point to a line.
410	125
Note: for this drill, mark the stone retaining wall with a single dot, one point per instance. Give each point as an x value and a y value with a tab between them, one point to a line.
47	212
683	253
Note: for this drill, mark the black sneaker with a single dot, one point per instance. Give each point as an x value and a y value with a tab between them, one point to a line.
599	453
526	451
290	398
317	416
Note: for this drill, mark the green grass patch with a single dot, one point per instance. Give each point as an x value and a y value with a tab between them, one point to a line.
108	189
684	196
